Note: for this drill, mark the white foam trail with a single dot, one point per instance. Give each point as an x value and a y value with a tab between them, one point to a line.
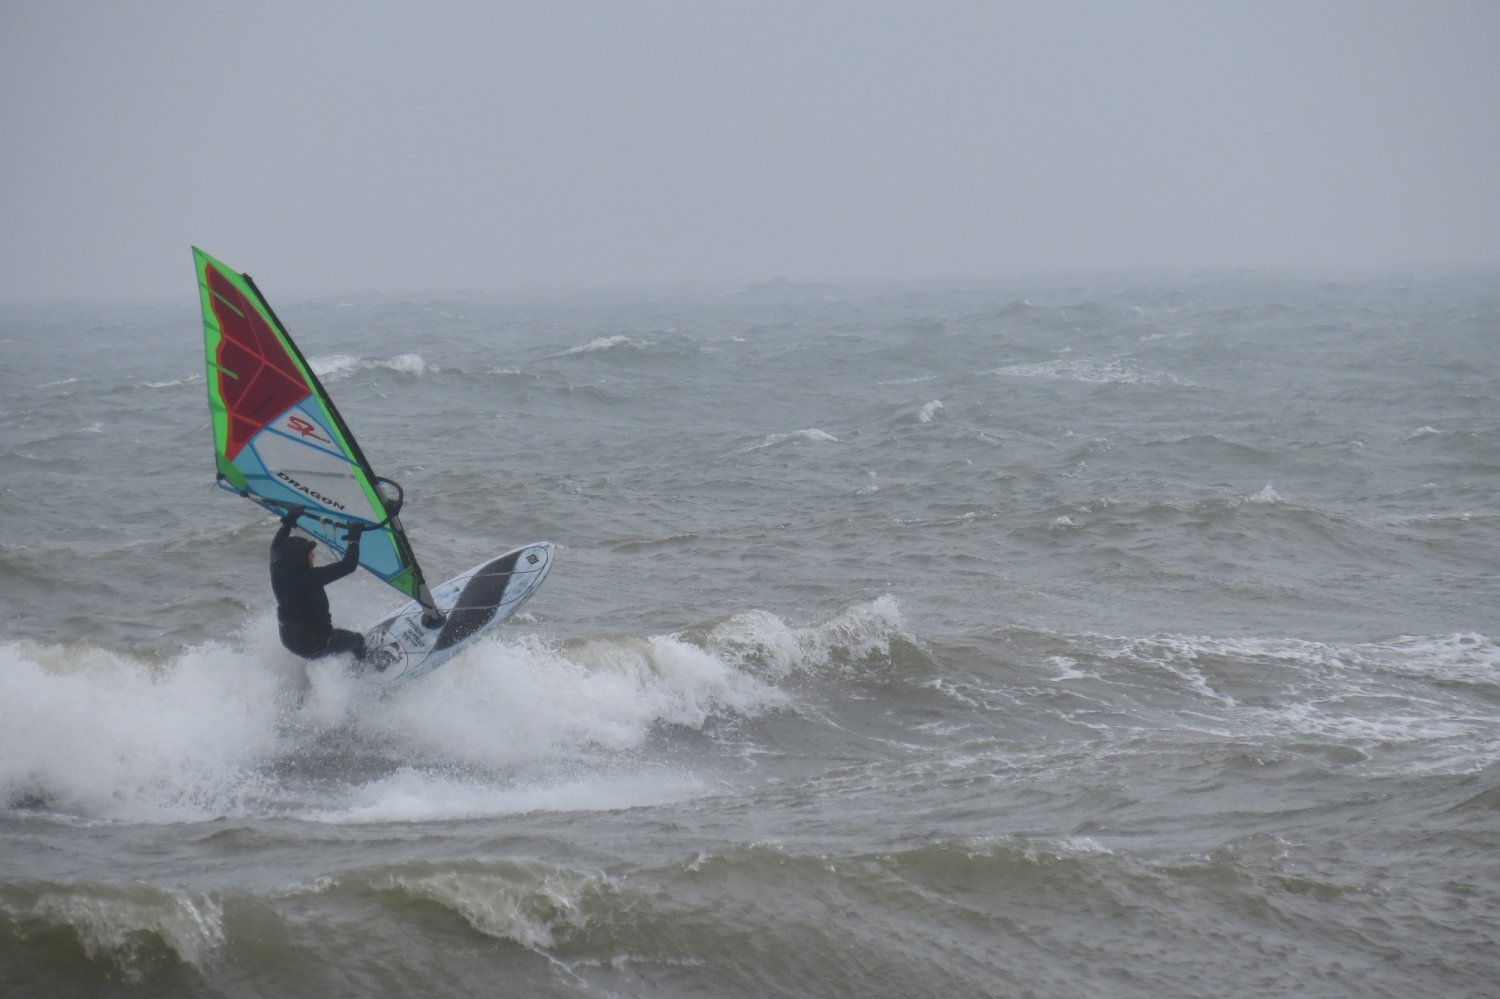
599	343
406	364
413	795
333	367
812	434
1381	694
1268	496
1116	371
336	367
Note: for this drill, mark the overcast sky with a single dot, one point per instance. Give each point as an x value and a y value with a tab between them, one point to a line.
343	147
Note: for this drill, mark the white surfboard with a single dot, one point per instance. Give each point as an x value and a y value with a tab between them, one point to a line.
401	648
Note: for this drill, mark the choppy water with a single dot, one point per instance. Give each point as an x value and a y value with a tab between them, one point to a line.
1121	636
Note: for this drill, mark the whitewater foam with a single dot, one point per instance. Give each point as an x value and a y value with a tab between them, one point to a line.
1121	371
601	343
813	435
766	644
94	734
337	367
414	794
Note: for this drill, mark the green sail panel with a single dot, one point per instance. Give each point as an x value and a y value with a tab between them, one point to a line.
278	439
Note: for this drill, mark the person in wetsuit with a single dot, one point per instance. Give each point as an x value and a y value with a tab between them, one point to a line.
301	605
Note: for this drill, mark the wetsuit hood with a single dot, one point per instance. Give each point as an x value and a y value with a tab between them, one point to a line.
293	554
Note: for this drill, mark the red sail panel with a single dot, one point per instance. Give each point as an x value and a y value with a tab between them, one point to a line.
258	380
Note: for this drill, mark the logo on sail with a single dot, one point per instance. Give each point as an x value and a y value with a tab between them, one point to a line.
306	429
325	500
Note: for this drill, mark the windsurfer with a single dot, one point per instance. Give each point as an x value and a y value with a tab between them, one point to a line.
301	605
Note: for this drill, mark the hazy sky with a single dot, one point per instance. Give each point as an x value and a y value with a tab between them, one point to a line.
332	147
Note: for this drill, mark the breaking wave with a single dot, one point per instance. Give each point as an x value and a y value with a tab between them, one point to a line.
510	726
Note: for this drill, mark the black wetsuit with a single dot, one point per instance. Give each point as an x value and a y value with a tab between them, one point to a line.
301	605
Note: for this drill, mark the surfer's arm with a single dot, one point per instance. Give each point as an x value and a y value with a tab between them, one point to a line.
288	521
326	574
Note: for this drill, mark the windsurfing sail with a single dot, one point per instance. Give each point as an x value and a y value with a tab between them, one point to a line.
278	438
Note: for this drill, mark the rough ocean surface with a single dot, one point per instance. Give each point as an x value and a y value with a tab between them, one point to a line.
1126	636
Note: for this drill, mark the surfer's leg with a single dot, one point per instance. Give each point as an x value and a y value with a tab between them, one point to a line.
295	640
341	640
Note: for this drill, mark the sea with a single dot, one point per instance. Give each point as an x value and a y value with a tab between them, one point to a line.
1114	635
